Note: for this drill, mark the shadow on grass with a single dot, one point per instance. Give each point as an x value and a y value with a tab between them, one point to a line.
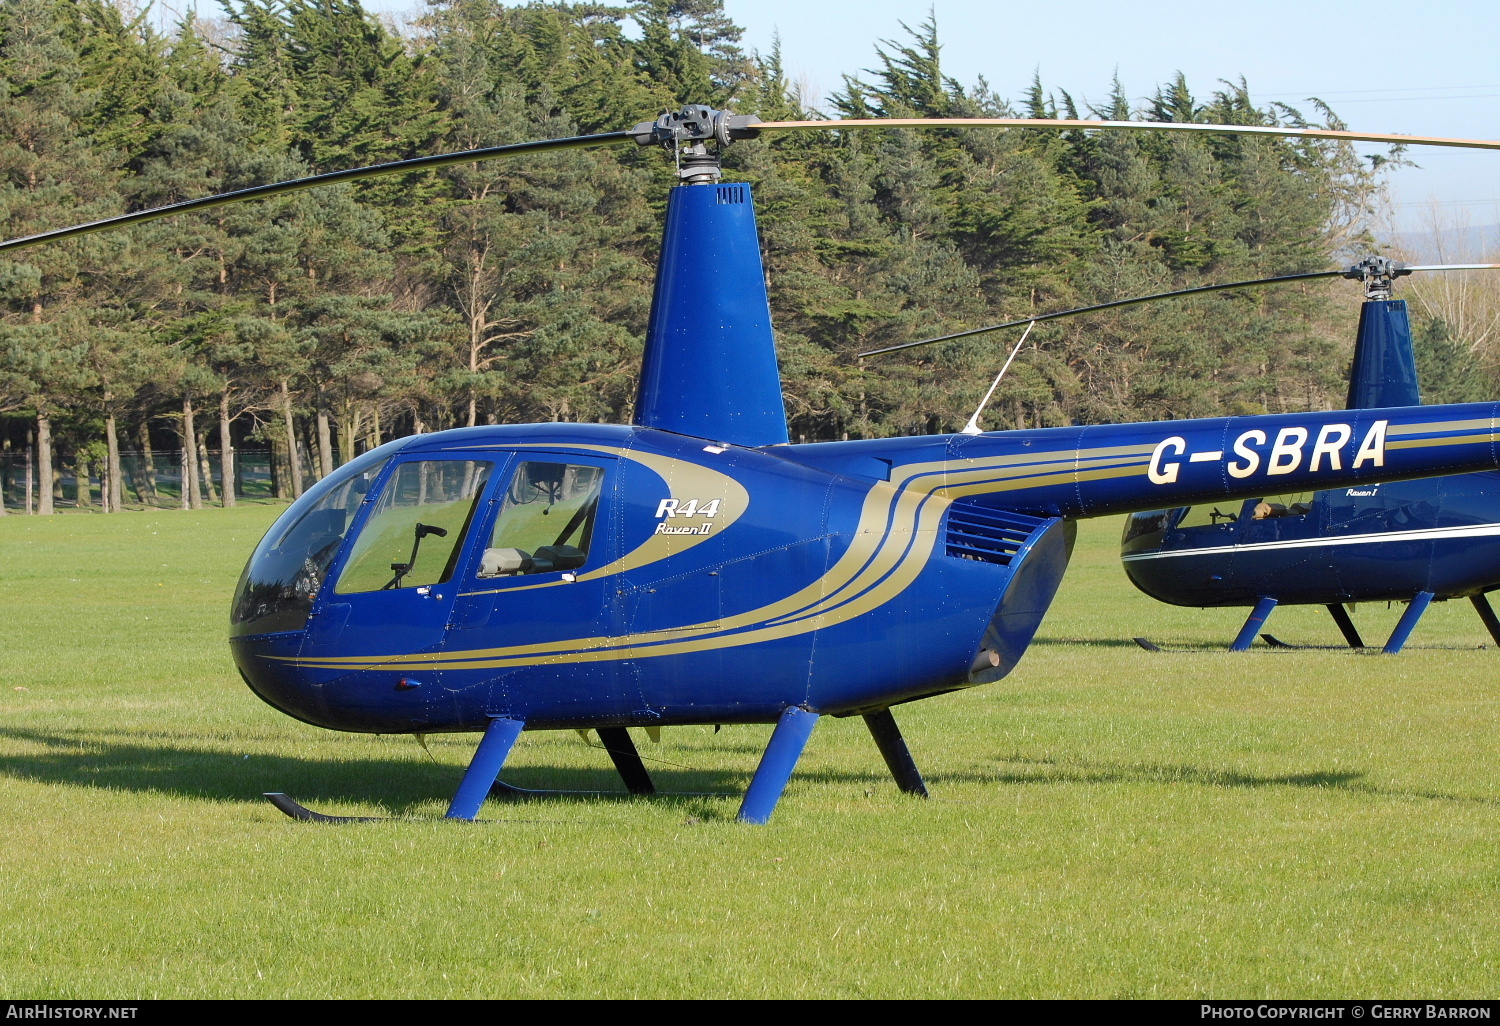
406	786
1074	771
411	787
402	785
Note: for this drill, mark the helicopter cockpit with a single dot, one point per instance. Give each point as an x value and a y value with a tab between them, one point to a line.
412	537
282	578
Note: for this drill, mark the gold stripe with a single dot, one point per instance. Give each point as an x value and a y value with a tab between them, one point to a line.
683	480
893	541
1424	443
913	470
1445	425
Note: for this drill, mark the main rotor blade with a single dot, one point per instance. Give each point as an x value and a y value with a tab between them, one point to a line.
1106	306
1136	126
1170	295
357	174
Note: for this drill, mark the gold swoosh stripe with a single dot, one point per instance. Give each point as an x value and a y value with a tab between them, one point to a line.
1423	443
683	479
893	540
1445	425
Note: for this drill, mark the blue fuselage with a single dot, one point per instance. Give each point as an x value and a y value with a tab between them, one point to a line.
576	575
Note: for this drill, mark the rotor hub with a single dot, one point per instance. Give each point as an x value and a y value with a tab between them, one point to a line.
1377	273
687	135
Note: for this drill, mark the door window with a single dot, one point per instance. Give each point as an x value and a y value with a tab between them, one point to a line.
547	521
416	531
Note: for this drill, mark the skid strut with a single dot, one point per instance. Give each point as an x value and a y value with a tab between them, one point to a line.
776	765
897	756
1414	610
1253	624
499	737
1482	607
627	760
1346	624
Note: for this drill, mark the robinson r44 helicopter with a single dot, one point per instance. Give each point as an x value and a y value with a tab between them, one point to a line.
1412	541
695	568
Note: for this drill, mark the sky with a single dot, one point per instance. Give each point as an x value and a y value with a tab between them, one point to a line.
1424	69
1427	69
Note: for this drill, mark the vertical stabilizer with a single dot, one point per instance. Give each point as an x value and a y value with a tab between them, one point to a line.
710	364
1385	367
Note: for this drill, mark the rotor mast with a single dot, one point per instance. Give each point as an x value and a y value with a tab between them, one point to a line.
709	369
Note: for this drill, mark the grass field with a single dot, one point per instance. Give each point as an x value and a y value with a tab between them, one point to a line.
1106	822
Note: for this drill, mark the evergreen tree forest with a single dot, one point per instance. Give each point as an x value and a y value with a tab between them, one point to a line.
316	326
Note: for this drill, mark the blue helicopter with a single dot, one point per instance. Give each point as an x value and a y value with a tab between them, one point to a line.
695	568
1413	541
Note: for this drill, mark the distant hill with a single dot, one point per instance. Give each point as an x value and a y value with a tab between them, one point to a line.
1468	244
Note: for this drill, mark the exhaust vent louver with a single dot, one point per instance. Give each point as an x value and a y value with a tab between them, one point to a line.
731	194
987	535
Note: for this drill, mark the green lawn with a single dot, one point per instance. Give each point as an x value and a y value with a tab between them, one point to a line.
1106	822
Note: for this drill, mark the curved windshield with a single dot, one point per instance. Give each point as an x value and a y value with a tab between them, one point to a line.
277	589
1145	530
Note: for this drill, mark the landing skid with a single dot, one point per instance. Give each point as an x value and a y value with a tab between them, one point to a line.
482	779
305	815
510	792
1275	642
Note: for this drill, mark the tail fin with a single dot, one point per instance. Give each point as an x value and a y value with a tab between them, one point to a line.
1385	367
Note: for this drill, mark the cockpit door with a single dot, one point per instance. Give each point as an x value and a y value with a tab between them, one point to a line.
389	596
537	605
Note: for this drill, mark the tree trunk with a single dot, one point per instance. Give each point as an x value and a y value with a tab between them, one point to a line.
281	481
28	481
291	439
115	483
83	485
349	428
226	452
192	493
205	466
308	440
185	475
44	464
375	426
148	465
325	439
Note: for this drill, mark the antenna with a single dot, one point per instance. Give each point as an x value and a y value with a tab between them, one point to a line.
972	427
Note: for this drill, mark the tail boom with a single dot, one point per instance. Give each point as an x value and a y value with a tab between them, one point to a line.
1120	468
